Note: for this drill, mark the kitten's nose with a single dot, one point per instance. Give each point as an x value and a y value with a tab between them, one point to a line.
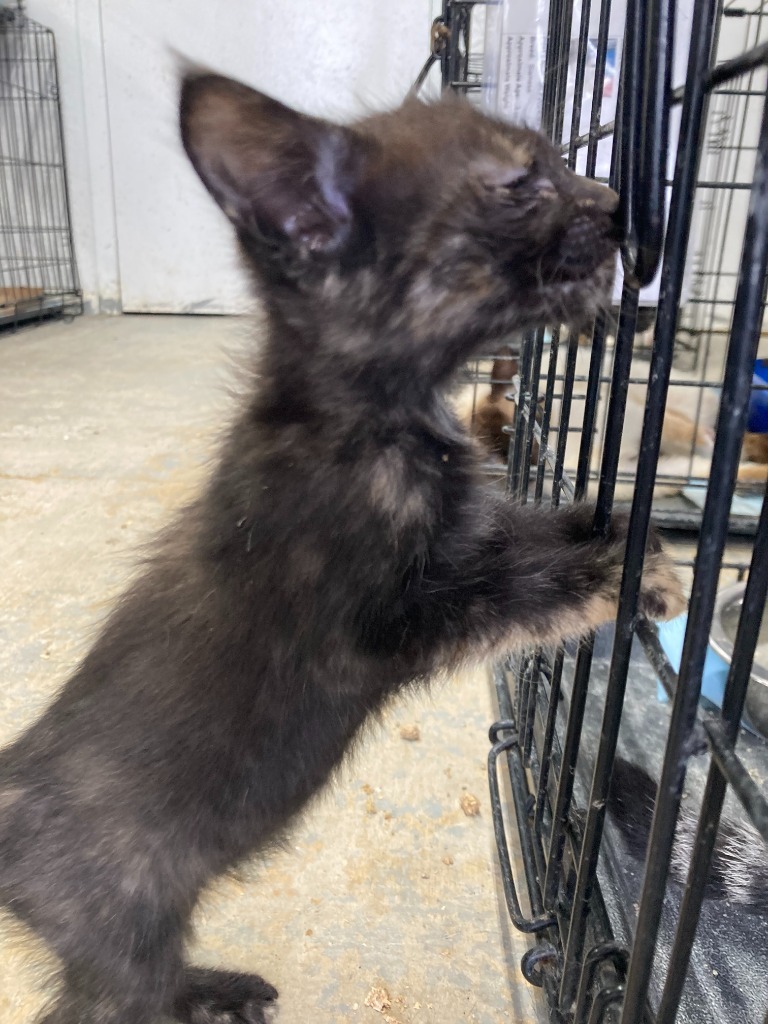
593	194
587	192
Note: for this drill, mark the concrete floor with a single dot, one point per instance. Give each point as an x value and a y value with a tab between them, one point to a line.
105	426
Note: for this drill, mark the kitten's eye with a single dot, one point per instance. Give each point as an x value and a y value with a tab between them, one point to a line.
502	179
544	188
513	179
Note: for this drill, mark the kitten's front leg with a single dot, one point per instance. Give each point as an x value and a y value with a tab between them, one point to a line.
529	576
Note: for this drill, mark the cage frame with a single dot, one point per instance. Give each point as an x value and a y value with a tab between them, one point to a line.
585	972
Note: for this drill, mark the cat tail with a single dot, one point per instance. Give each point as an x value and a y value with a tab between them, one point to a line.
739	872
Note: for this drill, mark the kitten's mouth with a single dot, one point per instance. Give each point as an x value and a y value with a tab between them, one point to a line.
578	291
584	250
588	269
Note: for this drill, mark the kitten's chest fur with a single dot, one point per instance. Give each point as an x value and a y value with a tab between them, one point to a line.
311	542
315	531
322	525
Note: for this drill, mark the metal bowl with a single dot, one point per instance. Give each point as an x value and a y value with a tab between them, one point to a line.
725	622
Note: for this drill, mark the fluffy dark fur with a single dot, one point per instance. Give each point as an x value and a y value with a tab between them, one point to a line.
342	549
739	871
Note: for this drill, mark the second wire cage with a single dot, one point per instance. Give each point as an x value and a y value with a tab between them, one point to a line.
38	274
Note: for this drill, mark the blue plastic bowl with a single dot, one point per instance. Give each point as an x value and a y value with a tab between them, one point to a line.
757	419
714	676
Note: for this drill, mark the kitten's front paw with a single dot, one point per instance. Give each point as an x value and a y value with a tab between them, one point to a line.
661	594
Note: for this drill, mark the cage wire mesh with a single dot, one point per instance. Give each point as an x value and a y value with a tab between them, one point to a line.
719	217
647	407
38	275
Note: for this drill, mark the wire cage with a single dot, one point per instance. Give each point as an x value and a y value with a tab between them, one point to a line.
712	259
38	274
621	932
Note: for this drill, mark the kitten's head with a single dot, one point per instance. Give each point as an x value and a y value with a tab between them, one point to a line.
432	227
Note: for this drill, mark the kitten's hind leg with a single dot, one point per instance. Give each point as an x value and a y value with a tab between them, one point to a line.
121	958
124	993
208	996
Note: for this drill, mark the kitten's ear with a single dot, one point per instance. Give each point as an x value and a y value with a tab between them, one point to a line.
276	173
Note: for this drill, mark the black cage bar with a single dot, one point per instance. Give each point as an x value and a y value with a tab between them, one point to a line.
38	275
614	936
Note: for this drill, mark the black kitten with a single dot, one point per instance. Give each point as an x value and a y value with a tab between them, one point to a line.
342	549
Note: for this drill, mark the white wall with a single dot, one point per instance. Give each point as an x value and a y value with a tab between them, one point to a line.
146	236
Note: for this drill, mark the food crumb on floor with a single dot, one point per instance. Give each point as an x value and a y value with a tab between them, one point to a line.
469	804
378	999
